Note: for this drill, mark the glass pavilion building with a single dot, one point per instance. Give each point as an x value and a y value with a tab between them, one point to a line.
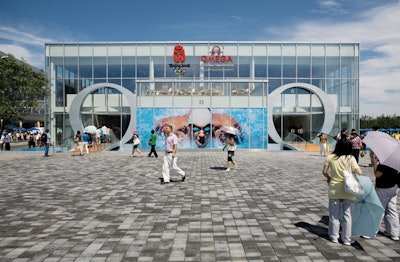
263	92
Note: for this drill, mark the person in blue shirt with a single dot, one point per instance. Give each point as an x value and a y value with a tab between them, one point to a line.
46	140
85	142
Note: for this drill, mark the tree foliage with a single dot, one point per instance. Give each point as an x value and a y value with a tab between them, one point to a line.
21	87
380	121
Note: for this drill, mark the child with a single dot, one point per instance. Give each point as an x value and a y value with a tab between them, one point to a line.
231	146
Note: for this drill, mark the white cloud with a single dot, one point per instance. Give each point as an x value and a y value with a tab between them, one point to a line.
35	59
19	36
23	45
377	32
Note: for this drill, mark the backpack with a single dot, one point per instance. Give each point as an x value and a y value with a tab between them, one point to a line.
43	138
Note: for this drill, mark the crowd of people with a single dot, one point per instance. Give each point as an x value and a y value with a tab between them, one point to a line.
341	204
33	138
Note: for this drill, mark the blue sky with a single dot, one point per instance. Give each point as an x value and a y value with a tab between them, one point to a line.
26	25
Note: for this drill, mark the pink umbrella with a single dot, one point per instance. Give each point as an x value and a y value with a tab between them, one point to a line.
385	147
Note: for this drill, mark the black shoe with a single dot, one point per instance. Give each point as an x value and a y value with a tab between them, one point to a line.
183	178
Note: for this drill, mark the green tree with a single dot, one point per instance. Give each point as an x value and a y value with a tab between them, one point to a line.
382	121
21	87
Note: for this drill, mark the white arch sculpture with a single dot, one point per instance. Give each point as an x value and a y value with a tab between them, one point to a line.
329	109
75	115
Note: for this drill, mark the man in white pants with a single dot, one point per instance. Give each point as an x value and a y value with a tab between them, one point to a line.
171	146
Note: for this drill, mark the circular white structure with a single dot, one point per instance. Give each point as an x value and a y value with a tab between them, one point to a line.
329	114
75	115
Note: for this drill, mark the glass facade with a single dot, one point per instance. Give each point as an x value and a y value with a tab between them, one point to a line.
265	90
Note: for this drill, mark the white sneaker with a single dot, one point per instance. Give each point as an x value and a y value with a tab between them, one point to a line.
228	169
348	243
395	238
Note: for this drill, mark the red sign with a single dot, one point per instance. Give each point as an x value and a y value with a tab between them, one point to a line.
216	56
179	54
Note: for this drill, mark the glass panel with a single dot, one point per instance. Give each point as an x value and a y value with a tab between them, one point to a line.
289	66
274	50
157	50
319	83
85	50
114	50
71	67
274	66
304	67
333	86
159	66
260	68
245	50
332	67
318	67
85	67
59	93
200	50
143	67
128	66
303	50
71	50
56	50
347	50
128	50
100	50
129	84
260	50
230	50
332	50
143	50
57	67
274	84
317	50
114	66
244	66
349	67
99	67
288	50
71	86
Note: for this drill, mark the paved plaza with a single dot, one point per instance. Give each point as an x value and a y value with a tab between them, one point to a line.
108	206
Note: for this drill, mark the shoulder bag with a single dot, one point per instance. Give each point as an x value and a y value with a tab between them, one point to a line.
351	183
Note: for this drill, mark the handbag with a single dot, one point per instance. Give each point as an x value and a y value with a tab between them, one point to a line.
351	183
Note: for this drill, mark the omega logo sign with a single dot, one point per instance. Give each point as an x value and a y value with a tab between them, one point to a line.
216	56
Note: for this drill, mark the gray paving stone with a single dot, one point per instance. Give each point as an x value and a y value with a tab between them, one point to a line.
109	207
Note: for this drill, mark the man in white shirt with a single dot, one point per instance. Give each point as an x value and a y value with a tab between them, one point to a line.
171	146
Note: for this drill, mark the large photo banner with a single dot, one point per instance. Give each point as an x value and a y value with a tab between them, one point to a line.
204	128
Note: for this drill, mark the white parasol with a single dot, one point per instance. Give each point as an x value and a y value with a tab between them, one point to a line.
90	129
385	147
230	130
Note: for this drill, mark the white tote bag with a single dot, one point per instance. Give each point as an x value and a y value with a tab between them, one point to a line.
351	183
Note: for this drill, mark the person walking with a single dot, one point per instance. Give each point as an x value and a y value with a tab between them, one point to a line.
170	159
2	140
356	144
152	143
45	138
7	141
136	143
78	143
231	147
341	204
85	143
386	186
323	139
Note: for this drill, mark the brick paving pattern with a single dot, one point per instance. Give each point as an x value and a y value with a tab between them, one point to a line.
107	206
